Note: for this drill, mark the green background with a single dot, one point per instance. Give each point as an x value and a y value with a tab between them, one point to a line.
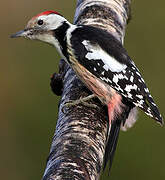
28	108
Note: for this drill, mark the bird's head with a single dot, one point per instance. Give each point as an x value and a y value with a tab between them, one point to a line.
42	26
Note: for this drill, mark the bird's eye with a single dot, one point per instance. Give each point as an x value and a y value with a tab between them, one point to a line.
40	22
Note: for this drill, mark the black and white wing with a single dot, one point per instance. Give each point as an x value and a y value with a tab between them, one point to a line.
104	56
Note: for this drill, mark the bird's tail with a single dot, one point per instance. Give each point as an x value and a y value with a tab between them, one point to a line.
152	110
111	143
112	136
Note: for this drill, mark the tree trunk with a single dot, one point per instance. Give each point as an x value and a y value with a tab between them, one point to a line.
78	145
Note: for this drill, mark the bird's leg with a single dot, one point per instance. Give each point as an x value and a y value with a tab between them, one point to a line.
80	101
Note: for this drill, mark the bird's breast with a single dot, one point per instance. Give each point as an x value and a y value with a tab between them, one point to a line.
102	90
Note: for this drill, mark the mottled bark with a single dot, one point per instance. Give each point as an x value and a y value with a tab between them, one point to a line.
79	142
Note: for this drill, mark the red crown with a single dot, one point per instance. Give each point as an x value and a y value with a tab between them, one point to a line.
46	13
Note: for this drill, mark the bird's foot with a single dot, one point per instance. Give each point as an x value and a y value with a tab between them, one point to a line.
82	101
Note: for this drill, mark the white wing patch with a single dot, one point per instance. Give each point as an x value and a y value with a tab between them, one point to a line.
95	53
139	96
131	78
117	77
128	88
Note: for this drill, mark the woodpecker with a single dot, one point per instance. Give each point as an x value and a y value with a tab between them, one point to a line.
101	63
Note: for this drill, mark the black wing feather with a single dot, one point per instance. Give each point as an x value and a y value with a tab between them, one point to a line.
98	37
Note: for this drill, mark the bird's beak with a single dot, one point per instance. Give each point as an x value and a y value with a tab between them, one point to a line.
19	34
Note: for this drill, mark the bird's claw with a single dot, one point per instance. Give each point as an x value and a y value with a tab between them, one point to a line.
80	101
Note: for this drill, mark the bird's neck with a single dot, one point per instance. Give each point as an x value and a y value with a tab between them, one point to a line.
60	35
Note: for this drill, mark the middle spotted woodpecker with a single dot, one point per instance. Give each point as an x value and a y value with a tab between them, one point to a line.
101	63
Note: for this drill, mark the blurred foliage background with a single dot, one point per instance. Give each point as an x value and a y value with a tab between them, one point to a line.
28	108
